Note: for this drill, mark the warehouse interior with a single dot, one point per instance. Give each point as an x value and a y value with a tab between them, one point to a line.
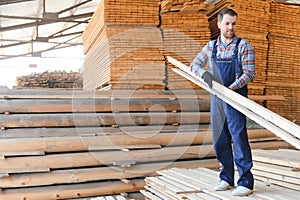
97	111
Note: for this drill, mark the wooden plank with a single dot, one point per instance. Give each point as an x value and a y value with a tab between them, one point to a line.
116	140
276	169
283	128
72	191
94	94
103	105
292	160
149	195
73	160
279	177
100	131
101	119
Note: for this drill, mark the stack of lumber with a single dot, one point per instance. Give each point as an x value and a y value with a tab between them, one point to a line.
280	167
184	6
184	35
252	23
199	183
122	44
284	60
74	144
55	79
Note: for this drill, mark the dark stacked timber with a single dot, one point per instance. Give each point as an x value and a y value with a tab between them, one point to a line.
70	144
284	60
55	79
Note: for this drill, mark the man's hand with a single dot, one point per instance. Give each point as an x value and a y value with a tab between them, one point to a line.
207	77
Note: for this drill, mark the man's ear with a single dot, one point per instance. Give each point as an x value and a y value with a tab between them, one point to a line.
219	24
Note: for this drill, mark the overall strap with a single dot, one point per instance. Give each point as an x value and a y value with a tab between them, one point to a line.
236	49
214	52
235	56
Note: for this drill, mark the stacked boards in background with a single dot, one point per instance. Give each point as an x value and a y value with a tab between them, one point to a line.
122	44
185	31
126	43
284	60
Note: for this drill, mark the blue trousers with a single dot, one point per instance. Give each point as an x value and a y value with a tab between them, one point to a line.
229	128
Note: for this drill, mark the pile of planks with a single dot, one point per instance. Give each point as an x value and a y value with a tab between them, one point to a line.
196	184
71	144
191	6
122	44
55	79
284	60
184	35
252	23
280	167
130	54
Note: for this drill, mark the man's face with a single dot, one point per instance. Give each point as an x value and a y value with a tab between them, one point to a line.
227	26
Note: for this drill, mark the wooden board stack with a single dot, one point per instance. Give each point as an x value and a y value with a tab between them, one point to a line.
73	144
253	17
55	79
122	45
284	60
184	36
197	184
280	167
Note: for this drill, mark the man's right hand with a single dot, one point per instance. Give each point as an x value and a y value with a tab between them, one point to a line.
207	77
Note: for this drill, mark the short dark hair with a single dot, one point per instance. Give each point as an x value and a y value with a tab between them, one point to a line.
226	11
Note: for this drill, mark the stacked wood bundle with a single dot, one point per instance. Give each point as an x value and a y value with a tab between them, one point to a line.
253	17
55	79
122	44
280	167
284	60
71	144
184	35
196	184
192	6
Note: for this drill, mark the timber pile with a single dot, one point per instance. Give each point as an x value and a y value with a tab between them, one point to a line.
280	167
196	184
71	144
284	60
55	79
122	44
191	6
130	54
253	20
184	34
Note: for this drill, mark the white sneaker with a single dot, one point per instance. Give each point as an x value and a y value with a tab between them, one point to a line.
223	185
241	191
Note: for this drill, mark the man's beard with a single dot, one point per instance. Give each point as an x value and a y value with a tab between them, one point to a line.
227	36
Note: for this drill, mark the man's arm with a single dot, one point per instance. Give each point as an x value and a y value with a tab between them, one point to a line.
248	67
198	64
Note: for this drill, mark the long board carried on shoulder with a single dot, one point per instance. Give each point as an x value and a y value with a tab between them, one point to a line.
281	127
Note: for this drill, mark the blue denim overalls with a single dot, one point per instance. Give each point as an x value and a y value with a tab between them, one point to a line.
229	124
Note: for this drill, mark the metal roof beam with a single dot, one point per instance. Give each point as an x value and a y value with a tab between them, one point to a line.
12	1
72	7
43	21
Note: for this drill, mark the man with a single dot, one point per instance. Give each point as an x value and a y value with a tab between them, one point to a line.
231	62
